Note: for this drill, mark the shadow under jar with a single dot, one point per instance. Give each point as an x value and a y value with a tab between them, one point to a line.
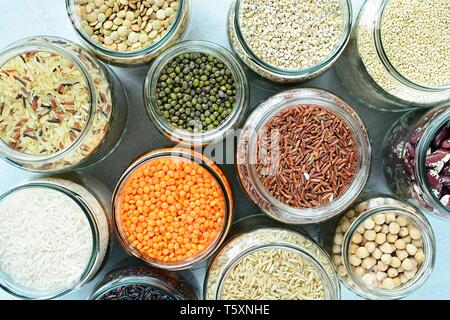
196	92
240	268
391	77
143	283
383	248
129	33
416	156
59	107
266	38
40	222
303	156
172	208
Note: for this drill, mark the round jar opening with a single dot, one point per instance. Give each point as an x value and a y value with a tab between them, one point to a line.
274	272
308	156
253	21
40	223
195	92
387	248
47	102
172	209
122	29
422	59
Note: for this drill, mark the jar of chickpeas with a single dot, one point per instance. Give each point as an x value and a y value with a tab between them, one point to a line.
383	248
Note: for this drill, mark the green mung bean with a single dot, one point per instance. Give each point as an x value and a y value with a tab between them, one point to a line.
196	92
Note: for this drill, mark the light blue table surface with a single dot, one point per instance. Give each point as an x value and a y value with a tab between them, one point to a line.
24	18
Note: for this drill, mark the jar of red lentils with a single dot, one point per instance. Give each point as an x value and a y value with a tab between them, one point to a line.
172	208
303	156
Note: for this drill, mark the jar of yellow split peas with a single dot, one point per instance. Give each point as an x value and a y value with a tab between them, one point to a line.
172	208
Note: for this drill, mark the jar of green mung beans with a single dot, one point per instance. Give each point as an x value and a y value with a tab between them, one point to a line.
196	93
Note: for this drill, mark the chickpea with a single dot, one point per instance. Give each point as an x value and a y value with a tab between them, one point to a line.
359	271
380	276
368	263
401	254
407	264
354	260
369	224
370	235
377	254
395	262
380	238
403	232
419	256
362	253
388	284
386	259
411	249
381	266
357	238
415	234
370	279
392	272
400	244
352	249
379	219
391	237
386	248
401	221
394	228
370	246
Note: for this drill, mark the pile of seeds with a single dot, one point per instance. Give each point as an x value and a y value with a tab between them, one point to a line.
136	292
421	27
437	163
273	274
196	92
386	250
292	35
306	156
126	25
44	103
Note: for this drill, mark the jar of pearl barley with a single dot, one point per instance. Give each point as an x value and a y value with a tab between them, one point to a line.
129	32
383	248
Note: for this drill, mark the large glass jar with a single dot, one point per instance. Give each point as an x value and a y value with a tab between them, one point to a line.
186	137
183	218
258	233
39	279
370	75
174	32
278	74
369	250
140	282
105	120
405	151
247	161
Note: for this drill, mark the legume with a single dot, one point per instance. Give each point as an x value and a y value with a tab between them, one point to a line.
196	92
315	156
126	25
291	35
171	209
136	292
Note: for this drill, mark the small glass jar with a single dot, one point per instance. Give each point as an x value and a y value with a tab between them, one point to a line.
153	284
180	154
129	58
257	232
184	136
93	199
405	150
107	114
369	75
341	246
276	74
247	145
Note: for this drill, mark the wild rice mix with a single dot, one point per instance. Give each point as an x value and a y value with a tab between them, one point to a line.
312	154
273	274
44	103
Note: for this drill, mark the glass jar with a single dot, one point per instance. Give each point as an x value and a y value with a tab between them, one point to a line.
276	74
143	283
247	149
129	58
107	114
256	232
341	244
405	150
184	136
176	154
370	76
93	200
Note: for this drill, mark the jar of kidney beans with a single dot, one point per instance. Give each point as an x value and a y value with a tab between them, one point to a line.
416	156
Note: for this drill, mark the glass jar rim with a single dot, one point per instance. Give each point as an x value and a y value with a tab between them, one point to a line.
207	165
345	37
75	20
324	277
47	44
421	151
302	96
380	48
233	119
419	220
25	293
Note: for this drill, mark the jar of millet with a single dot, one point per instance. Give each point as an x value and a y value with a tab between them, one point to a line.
383	248
303	156
172	208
